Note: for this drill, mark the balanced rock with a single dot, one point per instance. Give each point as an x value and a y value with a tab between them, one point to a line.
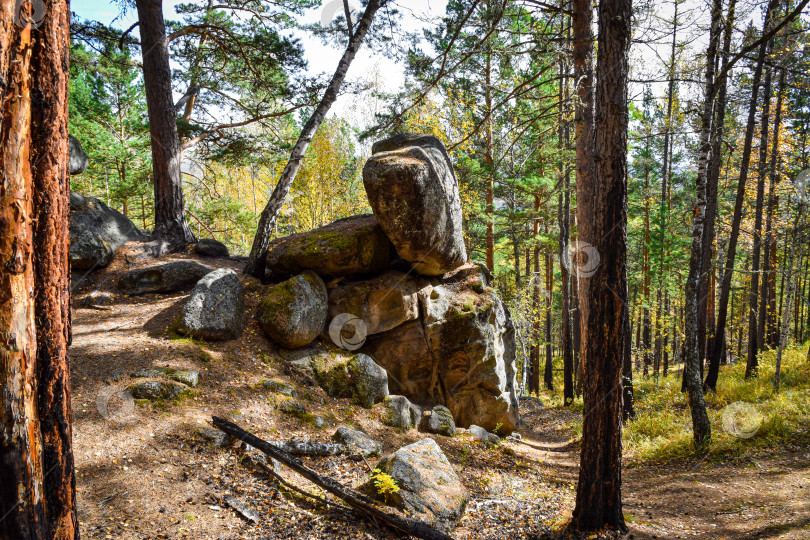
383	302
293	313
401	413
208	247
439	421
429	488
461	354
342	375
164	278
96	231
214	309
413	191
354	245
357	442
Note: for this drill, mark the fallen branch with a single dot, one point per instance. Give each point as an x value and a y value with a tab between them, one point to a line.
349	496
306	448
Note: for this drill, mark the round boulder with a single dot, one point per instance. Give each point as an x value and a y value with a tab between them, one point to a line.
293	312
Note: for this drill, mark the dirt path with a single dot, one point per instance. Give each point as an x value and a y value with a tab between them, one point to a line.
150	474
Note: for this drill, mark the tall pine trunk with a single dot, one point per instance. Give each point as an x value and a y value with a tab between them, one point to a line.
753	296
261	242
725	287
602	219
171	227
37	498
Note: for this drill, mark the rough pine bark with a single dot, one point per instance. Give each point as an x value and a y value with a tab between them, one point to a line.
548	373
171	227
261	242
602	219
37	489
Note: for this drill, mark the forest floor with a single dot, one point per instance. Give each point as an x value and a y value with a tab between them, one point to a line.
148	471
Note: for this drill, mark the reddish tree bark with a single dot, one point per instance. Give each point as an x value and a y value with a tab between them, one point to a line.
37	499
602	219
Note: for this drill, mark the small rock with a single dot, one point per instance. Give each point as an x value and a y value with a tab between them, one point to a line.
369	380
483	435
208	247
440	421
514	437
401	413
292	407
429	488
116	375
242	509
154	390
219	438
357	442
190	377
282	388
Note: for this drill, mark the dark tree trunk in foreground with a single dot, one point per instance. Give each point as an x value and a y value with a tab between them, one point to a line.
725	288
548	373
602	219
171	227
37	487
256	261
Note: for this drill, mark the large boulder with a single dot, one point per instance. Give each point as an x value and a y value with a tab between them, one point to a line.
346	375
460	354
163	278
293	313
77	159
354	245
96	231
413	191
357	442
214	309
429	488
400	413
383	302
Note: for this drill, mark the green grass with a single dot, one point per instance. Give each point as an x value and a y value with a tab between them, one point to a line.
662	430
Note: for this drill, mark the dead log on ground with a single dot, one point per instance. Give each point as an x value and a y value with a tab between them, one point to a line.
352	498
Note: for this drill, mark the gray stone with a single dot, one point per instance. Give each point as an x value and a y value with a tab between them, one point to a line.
77	159
164	278
215	436
357	442
293	313
461	354
401	413
353	245
214	310
483	435
96	231
190	377
155	390
292	407
208	247
429	488
278	387
413	191
439	421
346	375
